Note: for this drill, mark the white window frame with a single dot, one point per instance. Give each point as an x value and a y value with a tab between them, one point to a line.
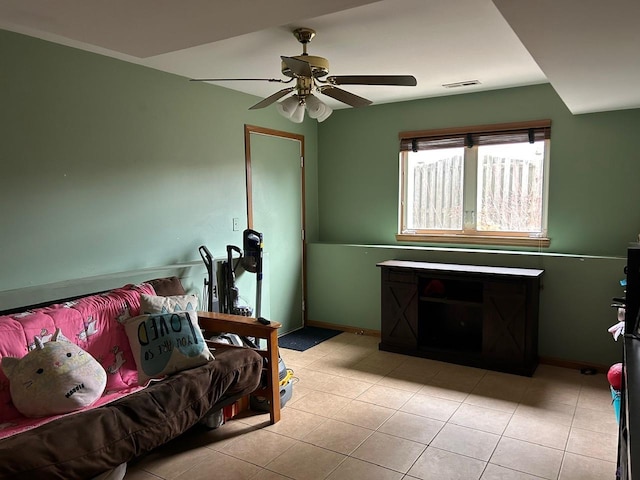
468	233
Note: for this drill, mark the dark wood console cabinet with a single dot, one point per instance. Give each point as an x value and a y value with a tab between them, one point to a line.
481	316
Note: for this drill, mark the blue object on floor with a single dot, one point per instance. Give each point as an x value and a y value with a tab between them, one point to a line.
306	338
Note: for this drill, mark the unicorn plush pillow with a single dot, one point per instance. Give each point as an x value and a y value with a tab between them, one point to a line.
56	377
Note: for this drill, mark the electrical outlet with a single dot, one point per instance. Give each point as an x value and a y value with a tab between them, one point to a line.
236	224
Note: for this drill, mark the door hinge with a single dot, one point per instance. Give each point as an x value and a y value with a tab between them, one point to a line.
301	161
302	232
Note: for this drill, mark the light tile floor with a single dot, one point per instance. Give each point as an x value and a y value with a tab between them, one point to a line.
359	413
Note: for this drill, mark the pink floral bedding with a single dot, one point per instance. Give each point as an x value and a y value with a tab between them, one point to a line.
90	322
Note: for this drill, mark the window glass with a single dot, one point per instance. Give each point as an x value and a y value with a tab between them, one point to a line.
510	187
435	189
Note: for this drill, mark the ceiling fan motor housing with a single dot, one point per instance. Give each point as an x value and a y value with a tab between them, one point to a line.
304	86
319	66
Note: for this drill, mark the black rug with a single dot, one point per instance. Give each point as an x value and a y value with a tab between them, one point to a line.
306	337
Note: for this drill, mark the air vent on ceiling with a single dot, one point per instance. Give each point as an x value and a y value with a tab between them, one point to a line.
466	83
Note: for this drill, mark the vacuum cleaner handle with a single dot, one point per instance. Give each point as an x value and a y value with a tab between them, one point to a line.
230	250
252	242
207	258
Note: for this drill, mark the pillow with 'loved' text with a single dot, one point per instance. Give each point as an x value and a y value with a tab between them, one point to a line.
166	343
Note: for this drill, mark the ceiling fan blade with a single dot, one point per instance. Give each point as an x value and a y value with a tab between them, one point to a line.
344	96
297	66
400	80
272	98
238	80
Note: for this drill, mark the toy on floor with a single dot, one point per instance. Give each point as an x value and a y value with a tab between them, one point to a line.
614	375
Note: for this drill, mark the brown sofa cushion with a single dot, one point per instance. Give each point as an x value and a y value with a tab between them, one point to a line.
83	445
167	286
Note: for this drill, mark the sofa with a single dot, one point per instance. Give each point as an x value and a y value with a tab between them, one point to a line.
129	419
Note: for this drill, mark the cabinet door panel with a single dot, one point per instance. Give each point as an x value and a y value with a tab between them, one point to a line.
400	314
505	316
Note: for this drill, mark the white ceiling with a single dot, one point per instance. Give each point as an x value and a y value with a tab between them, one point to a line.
587	49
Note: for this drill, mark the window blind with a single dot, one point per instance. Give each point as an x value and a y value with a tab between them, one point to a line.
470	136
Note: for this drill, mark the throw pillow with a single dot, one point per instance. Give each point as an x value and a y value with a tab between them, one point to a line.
56	377
166	343
175	303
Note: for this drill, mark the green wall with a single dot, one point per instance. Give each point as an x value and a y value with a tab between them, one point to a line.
594	174
111	167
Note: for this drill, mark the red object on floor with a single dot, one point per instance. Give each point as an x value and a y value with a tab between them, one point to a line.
614	375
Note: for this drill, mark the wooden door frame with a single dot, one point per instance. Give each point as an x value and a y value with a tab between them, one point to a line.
248	130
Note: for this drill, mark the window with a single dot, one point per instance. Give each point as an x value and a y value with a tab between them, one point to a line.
476	185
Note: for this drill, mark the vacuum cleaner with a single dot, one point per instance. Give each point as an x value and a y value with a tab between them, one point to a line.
251	261
230	293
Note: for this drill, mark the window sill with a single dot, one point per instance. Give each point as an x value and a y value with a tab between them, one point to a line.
539	242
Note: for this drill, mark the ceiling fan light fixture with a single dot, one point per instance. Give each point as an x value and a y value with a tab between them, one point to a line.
298	114
316	109
293	108
327	112
288	106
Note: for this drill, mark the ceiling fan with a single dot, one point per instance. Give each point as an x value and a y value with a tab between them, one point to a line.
310	74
